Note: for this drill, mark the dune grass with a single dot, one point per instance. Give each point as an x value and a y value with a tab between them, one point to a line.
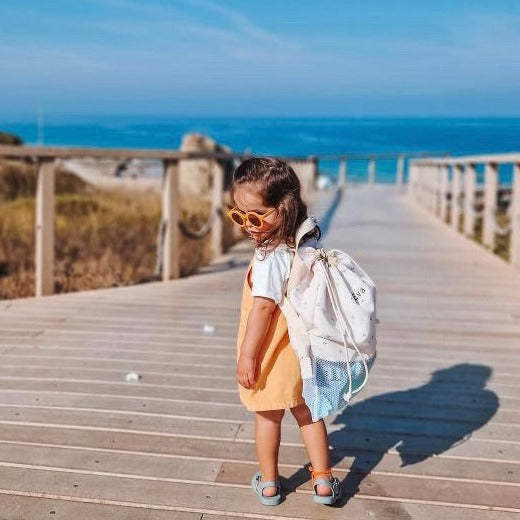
501	242
103	238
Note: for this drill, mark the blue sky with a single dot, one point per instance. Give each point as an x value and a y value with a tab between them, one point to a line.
260	58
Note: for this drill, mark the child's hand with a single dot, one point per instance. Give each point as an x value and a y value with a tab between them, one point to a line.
246	371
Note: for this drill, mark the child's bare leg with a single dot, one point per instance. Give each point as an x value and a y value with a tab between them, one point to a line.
316	441
268	434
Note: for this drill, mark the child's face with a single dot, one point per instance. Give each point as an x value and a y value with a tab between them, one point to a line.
248	198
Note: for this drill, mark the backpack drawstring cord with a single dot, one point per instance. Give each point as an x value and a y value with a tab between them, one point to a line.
345	327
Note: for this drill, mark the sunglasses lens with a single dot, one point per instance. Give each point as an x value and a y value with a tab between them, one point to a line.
254	220
237	218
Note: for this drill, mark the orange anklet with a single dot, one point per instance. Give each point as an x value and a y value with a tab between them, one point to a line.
318	474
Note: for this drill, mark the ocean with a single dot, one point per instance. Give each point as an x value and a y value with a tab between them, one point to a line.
290	136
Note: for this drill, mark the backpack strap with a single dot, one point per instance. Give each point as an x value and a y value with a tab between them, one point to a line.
298	333
308	225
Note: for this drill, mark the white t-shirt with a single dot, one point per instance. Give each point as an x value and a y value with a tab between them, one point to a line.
270	273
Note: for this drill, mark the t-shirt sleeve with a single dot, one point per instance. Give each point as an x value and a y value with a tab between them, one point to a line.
270	274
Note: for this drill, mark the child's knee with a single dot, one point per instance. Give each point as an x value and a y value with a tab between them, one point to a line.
302	414
275	416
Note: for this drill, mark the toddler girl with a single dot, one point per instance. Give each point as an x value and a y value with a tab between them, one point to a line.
268	205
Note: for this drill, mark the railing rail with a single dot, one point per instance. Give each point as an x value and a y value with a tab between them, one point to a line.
59	152
447	188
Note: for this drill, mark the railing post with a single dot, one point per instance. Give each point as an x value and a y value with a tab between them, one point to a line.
170	216
314	177
371	171
421	190
418	171
342	172
216	207
490	204
438	189
426	187
418	190
44	249
433	186
412	168
425	176
421	179
515	218
399	171
444	187
455	196
470	182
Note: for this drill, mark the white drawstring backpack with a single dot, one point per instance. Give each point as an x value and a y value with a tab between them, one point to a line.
330	307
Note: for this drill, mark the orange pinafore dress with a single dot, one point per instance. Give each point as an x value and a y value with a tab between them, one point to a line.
279	384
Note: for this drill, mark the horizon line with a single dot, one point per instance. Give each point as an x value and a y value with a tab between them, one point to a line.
27	118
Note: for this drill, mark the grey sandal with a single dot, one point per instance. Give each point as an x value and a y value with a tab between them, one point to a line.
317	479
258	486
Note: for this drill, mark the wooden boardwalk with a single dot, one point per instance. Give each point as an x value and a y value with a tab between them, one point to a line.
435	435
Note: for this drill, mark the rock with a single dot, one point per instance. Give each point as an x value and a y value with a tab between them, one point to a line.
196	175
6	138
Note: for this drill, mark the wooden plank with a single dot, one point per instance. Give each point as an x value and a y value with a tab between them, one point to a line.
453	378
427	489
393	350
138	464
448	428
386	371
143	423
294	456
233	412
423	368
215	499
408	348
415	444
502	313
383	406
431	393
17	507
229	395
499	322
425	390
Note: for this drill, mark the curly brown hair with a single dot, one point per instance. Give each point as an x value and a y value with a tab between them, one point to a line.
279	188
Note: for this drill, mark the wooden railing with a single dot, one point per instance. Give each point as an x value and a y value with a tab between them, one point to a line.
46	158
448	188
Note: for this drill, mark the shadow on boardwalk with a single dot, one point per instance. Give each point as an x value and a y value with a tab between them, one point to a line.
417	423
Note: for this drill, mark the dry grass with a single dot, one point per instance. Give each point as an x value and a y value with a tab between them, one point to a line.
103	238
501	245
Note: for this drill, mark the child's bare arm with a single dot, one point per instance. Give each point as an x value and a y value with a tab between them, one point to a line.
256	329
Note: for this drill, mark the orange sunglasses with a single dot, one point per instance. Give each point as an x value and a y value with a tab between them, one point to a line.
255	219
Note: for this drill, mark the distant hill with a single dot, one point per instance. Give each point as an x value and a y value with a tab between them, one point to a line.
9	139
